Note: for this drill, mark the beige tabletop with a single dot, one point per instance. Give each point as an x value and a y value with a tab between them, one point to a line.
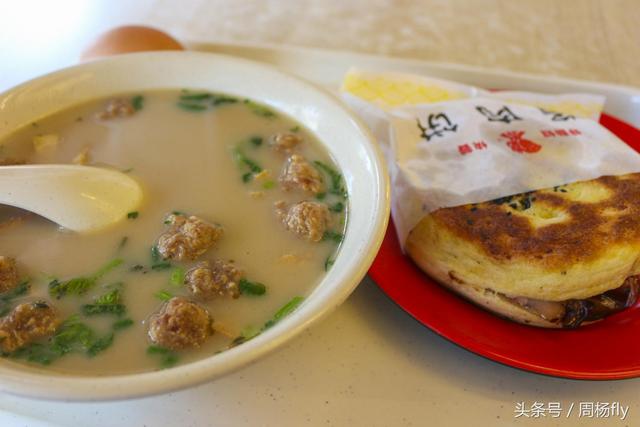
587	39
369	363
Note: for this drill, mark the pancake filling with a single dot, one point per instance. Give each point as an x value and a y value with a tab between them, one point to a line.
573	312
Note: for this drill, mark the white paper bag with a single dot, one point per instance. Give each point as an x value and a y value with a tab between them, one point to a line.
481	148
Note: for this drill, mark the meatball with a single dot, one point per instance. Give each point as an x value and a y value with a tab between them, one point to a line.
180	324
8	274
209	280
26	323
298	173
187	238
117	108
308	220
284	142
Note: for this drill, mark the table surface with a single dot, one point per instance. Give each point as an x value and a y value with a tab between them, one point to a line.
368	364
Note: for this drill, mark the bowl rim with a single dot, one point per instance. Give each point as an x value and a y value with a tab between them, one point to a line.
56	386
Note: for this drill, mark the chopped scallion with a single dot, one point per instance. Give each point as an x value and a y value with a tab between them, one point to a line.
195	96
250	332
123	242
284	311
259	109
190	106
242	159
168	358
137	102
252	288
177	276
268	185
337	186
328	263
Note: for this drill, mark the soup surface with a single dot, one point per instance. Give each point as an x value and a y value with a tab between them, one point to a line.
269	191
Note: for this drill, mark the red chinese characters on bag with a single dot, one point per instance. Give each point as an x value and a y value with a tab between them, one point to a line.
517	142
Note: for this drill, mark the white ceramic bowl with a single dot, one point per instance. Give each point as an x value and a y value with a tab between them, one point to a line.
347	140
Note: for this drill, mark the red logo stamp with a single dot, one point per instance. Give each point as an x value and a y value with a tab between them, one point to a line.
517	142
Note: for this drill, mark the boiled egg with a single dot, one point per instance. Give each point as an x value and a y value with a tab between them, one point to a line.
127	39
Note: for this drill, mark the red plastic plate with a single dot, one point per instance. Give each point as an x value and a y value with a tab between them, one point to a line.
606	350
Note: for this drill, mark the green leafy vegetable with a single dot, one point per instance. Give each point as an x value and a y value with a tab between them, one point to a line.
7	297
36	353
94	309
71	336
156	349
80	285
121	324
109	303
161	266
177	276
163	295
242	159
337	207
223	99
250	331
295	129
256	140
198	101
133	215
328	263
123	242
157	262
195	96
285	310
332	235
168	358
252	288
100	344
321	196
337	186
112	297
137	102
190	106
21	289
259	109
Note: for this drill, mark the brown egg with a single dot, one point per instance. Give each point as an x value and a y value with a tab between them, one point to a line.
130	38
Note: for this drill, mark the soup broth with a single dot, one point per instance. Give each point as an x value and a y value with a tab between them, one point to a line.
221	159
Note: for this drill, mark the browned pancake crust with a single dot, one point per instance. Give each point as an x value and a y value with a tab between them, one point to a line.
503	229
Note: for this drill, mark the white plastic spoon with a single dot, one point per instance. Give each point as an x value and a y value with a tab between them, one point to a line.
80	198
